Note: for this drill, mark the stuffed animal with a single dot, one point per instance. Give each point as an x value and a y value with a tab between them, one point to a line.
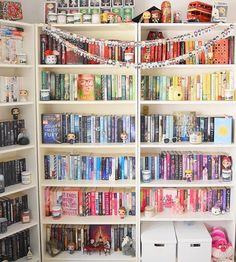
127	248
222	250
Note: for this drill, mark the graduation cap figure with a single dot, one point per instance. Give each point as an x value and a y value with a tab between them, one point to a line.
154	18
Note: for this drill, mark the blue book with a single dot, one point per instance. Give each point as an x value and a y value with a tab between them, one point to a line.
98	167
223	130
51	129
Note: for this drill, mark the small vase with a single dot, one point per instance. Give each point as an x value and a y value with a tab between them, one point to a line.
51	59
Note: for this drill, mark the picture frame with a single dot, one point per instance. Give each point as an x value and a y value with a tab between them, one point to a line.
219	11
49	7
117	3
129	3
105	3
73	3
62	3
84	3
94	3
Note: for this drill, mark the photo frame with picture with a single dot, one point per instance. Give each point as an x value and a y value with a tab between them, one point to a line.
49	7
94	3
105	3
84	3
62	3
219	11
117	3
73	3
128	2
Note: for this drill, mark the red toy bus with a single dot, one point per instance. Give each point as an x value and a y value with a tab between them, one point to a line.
199	12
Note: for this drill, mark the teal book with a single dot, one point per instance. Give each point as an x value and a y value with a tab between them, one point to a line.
223	130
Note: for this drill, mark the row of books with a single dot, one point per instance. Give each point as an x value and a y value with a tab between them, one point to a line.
81	202
204	166
75	128
88	86
67	55
79	167
11	44
192	199
222	52
15	246
155	128
11	170
9	131
11	208
82	234
201	87
10	87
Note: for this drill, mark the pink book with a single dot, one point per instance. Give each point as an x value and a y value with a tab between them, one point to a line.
47	201
156	200
168	165
160	200
169	195
115	204
80	201
111	203
107	203
70	203
92	203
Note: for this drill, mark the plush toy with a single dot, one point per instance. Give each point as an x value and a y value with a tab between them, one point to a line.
127	248
222	250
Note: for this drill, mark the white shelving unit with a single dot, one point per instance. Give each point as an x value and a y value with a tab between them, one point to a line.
29	152
203	107
108	31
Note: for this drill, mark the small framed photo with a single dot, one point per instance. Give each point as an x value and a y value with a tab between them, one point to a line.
117	3
62	3
49	7
128	2
219	11
84	3
105	10
94	3
106	3
73	3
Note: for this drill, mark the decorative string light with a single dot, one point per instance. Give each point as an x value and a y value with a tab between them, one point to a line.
62	38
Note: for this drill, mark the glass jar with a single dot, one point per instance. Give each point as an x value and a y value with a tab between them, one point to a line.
146	176
78	18
25	178
25	216
61	18
70	18
87	19
195	137
52	18
56	212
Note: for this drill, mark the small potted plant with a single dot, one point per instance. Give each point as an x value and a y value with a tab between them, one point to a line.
51	57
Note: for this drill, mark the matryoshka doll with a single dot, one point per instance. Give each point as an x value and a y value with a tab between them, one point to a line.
166	12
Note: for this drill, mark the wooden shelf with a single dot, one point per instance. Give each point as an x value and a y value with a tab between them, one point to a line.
16	189
15	148
94	103
79	256
186	145
198	216
16	104
180	184
17	227
88	183
186	103
78	146
16	66
90	220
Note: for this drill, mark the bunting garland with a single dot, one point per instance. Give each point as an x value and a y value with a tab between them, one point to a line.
72	40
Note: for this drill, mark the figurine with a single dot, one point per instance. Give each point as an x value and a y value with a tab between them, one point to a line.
188	175
71	138
146	17
226	168
107	247
29	254
22	138
177	17
24	95
166	12
122	212
216	210
156	16
71	247
15	113
111	18
124	136
127	247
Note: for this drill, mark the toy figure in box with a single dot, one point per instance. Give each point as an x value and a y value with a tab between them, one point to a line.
188	175
226	171
15	113
222	250
146	17
155	16
122	212
127	247
166	12
24	95
86	87
71	138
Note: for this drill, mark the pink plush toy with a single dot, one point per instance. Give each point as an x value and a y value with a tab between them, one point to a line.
222	250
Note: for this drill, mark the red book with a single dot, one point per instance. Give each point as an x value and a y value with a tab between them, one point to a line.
107	203
70	202
164	52
115	207
93	204
106	52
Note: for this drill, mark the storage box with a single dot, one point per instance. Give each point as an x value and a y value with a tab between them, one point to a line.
194	242
158	242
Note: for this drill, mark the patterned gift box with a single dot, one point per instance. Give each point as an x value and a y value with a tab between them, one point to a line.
11	10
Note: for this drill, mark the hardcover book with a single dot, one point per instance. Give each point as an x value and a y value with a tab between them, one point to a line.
51	128
223	130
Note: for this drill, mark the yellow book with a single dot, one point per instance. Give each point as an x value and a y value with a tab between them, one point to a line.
213	86
208	91
217	85
204	87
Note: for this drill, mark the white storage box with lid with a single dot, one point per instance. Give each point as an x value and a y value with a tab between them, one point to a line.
194	242
158	242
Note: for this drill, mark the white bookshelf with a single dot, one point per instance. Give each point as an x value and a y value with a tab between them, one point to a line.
211	108
29	152
107	31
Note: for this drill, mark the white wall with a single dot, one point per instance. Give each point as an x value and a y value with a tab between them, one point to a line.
33	9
